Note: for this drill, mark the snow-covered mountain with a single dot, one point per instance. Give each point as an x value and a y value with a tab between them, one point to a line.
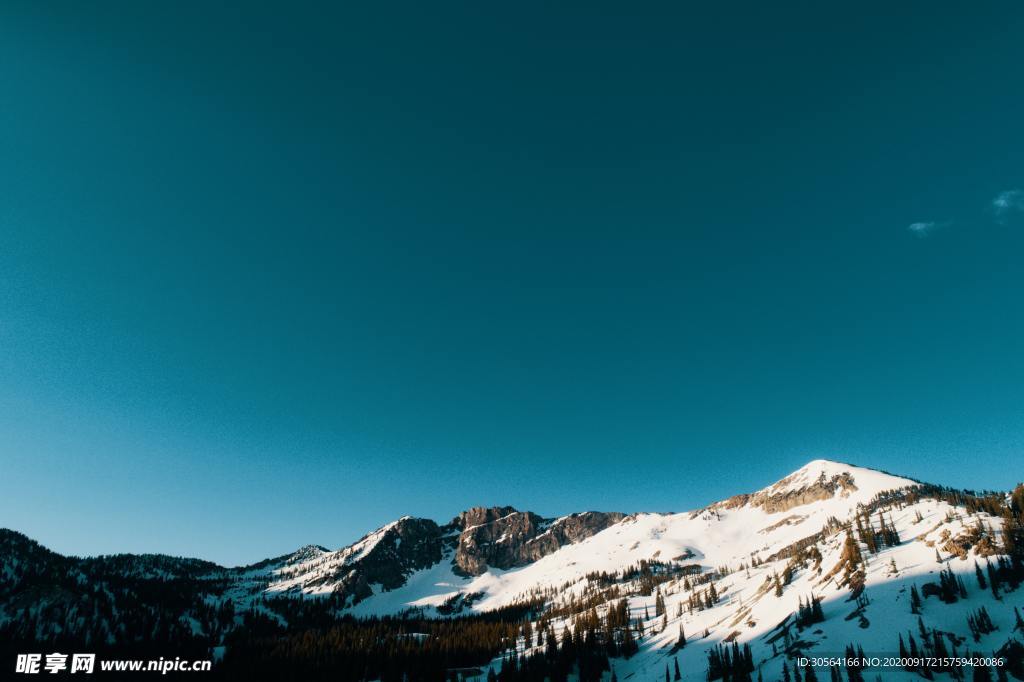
413	563
831	555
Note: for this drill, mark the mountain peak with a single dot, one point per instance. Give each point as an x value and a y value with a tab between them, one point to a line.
820	480
859	478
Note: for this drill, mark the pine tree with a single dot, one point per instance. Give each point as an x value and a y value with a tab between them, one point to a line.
913	645
629	645
949	588
677	676
993	578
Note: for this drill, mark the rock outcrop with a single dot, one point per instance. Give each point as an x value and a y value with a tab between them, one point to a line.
383	559
503	537
782	496
478	538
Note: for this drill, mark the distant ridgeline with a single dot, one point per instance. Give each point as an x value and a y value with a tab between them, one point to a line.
833	561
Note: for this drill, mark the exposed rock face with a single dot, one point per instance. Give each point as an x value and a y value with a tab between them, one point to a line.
791	520
478	538
978	537
503	537
822	489
410	545
568	531
780	497
492	537
405	546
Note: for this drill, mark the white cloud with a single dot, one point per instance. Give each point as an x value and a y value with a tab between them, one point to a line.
922	229
1005	203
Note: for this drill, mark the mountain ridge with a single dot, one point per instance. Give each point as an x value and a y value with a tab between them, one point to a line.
455	520
510	509
469	553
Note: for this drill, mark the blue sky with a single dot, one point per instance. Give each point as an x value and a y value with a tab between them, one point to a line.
279	275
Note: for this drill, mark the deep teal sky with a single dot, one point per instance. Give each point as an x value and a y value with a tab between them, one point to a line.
273	276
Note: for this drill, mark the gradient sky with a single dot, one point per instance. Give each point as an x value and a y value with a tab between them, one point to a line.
276	275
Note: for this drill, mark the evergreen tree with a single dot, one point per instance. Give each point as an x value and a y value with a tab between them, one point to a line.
915	600
949	590
629	645
993	578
